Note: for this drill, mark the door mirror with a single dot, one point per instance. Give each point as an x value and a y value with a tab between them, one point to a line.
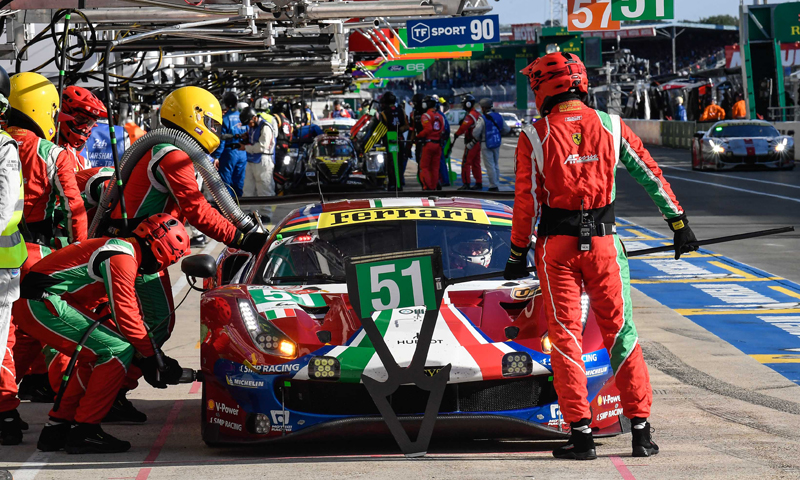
700	134
199	266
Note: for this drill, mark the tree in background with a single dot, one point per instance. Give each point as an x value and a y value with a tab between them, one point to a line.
721	20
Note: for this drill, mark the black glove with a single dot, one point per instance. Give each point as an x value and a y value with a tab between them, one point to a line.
683	235
517	265
249	242
170	376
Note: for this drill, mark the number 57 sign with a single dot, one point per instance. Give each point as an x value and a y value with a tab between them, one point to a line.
592	15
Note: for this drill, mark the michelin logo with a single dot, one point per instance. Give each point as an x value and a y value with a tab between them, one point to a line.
240	382
596	372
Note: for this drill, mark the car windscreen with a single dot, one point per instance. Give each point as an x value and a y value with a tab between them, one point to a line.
317	256
733	131
509	116
334	148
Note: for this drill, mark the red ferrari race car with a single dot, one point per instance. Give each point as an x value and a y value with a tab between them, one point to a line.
283	352
742	144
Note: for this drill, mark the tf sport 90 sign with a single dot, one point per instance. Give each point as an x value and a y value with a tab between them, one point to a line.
453	31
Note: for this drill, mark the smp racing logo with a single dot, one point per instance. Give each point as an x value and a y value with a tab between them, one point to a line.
608	400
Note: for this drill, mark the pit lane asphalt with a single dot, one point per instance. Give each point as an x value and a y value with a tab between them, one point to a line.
717	412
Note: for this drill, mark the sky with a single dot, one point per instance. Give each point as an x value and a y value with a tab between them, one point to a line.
532	11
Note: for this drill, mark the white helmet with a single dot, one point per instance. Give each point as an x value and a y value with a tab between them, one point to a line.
241	106
262	105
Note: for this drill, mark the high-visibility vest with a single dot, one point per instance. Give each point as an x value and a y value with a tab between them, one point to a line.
12	249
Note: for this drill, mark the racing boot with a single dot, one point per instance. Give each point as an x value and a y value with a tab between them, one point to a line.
54	435
477	186
580	445
123	411
36	388
90	438
11	427
643	444
463	187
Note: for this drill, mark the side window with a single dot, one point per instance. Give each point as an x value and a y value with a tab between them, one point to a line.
232	269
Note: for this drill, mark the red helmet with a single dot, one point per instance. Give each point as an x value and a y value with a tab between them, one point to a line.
167	238
556	73
80	110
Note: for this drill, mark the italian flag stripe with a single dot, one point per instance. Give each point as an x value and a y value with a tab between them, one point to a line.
355	359
279	313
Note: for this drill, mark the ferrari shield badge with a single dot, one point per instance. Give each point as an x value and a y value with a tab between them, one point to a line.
577	138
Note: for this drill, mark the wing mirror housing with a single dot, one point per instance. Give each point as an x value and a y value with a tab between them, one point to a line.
199	266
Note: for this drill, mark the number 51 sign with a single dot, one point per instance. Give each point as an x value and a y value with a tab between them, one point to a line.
593	15
399	280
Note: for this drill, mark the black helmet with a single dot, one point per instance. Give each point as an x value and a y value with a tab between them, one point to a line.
486	104
429	102
468	102
417	100
5	83
246	115
388	99
337	102
230	100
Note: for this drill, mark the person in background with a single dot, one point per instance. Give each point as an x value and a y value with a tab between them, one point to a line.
713	112
680	111
431	140
339	111
739	110
260	149
232	161
444	171
98	146
390	118
471	161
489	130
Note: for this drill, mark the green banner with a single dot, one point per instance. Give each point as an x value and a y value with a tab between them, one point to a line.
787	23
628	10
396	283
470	47
403	68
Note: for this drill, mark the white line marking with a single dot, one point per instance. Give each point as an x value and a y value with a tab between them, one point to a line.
754	192
181	283
509	145
32	466
733	178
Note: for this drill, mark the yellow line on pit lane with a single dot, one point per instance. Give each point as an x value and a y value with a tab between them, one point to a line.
781	358
786	291
686	312
639	235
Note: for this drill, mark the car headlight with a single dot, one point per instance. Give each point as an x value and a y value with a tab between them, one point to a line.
717	148
267	337
375	162
287	160
781	146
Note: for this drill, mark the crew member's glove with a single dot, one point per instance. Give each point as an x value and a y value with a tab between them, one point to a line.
517	265
683	235
250	242
471	144
170	376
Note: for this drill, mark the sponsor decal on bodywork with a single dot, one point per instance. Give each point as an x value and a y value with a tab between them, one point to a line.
351	217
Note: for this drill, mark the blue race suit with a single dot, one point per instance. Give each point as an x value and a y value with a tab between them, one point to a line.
231	160
307	133
98	147
681	114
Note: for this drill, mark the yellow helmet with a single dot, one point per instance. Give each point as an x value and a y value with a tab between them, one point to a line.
195	111
35	97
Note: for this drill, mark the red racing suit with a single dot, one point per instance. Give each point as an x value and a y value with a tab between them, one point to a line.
566	160
431	137
49	176
92	182
164	181
472	157
60	294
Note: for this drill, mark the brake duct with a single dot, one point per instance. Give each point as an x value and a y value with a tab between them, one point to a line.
171	136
